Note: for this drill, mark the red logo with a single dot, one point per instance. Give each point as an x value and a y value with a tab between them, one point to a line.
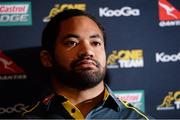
7	66
167	11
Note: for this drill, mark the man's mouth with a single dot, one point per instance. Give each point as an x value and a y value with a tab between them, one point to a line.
86	64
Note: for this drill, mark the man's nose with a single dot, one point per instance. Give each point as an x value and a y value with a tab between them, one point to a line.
86	50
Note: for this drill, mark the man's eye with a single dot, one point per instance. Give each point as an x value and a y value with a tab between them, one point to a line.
71	43
95	43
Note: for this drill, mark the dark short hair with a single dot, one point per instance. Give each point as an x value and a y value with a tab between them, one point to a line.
50	32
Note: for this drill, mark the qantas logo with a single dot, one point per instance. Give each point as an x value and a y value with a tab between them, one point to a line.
6	64
9	69
167	11
168	14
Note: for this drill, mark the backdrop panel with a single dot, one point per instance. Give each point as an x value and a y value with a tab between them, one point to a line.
143	52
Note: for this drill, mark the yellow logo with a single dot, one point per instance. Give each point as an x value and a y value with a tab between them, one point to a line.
171	101
125	59
58	8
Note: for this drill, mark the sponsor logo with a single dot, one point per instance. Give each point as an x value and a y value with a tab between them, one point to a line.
9	70
18	108
162	57
58	8
125	59
170	102
168	14
15	13
136	98
124	11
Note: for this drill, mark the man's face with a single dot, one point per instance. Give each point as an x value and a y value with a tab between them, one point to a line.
79	56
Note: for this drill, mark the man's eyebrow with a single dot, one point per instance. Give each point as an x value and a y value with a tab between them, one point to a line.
96	36
70	36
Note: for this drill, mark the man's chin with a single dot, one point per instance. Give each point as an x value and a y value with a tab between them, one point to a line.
87	70
80	77
84	79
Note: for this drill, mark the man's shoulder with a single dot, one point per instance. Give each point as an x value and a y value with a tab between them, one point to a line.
126	109
38	108
131	111
34	108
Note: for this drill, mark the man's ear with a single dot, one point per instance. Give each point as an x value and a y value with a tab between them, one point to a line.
46	58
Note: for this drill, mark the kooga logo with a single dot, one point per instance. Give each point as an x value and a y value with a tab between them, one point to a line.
162	57
124	11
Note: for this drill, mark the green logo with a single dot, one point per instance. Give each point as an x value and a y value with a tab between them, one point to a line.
134	97
15	13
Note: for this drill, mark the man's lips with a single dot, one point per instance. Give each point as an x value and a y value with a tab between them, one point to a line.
86	64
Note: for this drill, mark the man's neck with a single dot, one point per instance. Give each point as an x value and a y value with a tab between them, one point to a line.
76	96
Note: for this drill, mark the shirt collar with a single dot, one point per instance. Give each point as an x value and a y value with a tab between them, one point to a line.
110	100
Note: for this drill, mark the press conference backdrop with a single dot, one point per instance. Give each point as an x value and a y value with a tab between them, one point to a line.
143	51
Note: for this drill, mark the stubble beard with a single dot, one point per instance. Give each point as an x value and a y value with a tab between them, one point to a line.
81	79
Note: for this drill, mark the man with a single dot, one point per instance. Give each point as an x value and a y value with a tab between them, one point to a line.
73	51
